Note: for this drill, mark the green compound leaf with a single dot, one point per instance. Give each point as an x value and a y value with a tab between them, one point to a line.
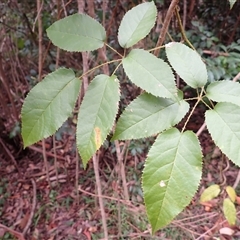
97	114
224	91
48	105
223	125
136	24
148	115
76	33
187	63
210	193
229	211
171	175
150	73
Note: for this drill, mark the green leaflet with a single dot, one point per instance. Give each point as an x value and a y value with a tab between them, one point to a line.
231	193
97	114
171	175
187	63
148	115
77	32
48	105
136	24
223	125
229	211
224	91
150	73
210	193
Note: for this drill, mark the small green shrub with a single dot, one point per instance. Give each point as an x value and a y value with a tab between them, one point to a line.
173	166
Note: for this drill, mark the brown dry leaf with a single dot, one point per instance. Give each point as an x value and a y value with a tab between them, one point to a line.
26	186
24	220
238	200
226	231
10	168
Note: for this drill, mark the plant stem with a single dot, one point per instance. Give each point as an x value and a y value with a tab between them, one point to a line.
195	105
114	50
182	30
100	198
165	25
94	68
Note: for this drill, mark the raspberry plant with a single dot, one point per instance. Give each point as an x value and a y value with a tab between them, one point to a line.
173	166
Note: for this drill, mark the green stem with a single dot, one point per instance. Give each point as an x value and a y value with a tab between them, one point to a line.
156	48
98	66
117	68
114	50
182	30
194	107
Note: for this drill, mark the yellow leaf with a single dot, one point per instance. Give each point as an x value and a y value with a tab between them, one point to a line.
98	137
231	193
210	193
229	211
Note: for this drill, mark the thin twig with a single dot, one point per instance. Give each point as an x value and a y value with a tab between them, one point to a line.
10	155
201	129
165	25
46	162
121	166
34	203
47	153
106	197
99	191
182	29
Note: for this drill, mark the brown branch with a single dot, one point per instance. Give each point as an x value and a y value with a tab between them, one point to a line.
216	53
166	23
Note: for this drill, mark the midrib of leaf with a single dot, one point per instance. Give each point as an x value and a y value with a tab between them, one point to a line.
171	177
234	133
86	36
138	25
59	92
89	135
148	117
186	67
153	76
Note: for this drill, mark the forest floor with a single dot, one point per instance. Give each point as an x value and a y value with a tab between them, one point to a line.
31	208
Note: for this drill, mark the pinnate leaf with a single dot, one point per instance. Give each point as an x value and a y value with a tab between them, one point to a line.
229	211
210	193
48	105
224	91
171	175
223	125
136	24
150	73
187	63
148	115
78	32
97	114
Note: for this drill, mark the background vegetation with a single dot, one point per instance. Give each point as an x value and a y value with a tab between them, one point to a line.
57	210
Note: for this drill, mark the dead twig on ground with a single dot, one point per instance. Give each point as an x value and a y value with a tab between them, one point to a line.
47	153
13	232
34	203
